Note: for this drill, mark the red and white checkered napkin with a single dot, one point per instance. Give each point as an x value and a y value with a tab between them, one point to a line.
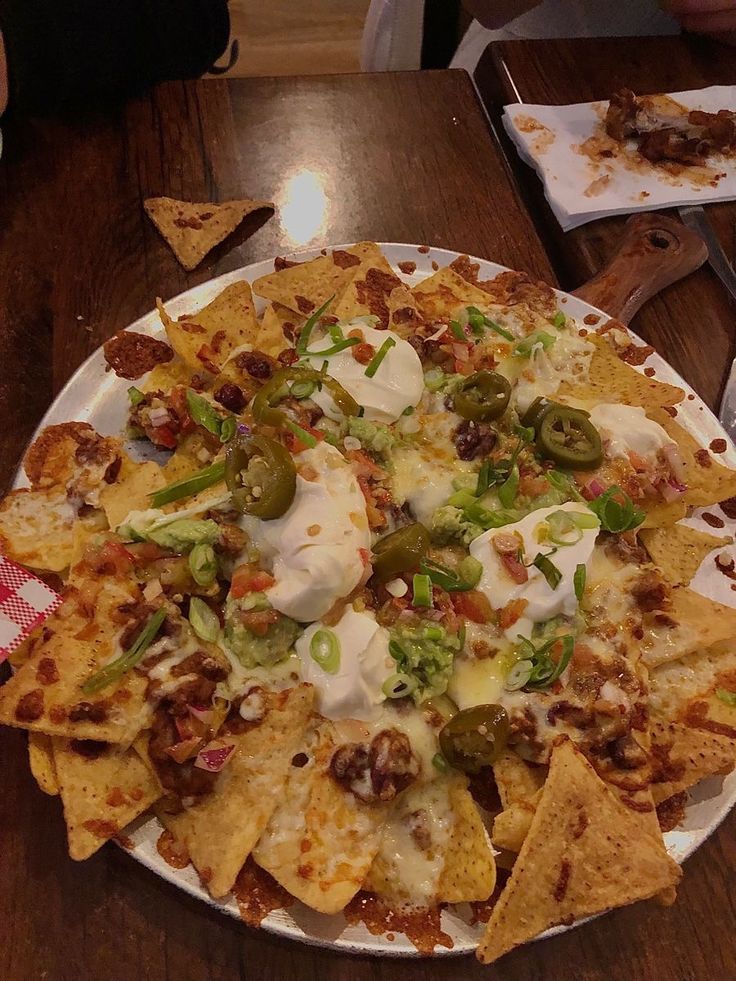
25	602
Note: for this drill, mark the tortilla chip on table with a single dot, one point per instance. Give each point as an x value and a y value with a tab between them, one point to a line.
193	229
679	550
584	853
41	760
684	756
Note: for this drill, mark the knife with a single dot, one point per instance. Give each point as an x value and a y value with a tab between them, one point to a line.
694	217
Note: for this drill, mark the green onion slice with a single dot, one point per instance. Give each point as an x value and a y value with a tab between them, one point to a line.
203	564
135	395
457	331
228	428
324	649
375	363
205	622
559	320
473	315
519	675
303	390
203	413
399	685
548	569
189	485
563	529
440	763
726	696
579	581
303	341
467	576
509	488
524	348
117	668
422	585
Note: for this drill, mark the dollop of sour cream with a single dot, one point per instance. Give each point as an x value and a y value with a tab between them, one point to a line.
626	429
543	602
314	550
354	691
397	384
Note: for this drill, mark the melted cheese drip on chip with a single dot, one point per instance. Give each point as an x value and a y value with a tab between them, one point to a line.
626	429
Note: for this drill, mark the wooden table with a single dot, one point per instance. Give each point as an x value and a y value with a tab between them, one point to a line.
692	325
692	316
404	158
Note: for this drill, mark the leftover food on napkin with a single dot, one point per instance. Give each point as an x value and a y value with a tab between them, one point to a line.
665	130
411	584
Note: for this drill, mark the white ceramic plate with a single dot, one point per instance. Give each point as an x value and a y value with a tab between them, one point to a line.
99	397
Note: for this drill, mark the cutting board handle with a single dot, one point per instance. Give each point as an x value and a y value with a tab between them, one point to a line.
654	252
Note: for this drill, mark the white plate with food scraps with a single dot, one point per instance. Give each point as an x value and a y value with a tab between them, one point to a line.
95	395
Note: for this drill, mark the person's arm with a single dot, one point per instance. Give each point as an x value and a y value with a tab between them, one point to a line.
716	17
496	13
3	78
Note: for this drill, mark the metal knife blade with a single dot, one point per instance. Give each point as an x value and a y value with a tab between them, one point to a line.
694	217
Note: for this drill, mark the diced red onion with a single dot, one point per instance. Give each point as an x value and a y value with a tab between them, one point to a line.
677	466
214	756
594	488
670	492
159	416
461	352
201	713
243	429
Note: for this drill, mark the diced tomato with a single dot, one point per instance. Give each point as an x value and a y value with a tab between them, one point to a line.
184	750
163	436
180	405
295	445
117	554
363	353
473	605
258	621
249	579
515	567
365	467
144	552
512	612
365	556
638	462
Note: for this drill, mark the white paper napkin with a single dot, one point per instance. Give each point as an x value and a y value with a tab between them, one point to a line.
564	144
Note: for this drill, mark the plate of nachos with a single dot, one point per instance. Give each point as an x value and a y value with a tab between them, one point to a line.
397	603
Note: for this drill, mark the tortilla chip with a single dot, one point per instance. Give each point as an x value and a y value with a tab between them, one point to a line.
661	514
612	380
316	821
204	340
368	292
101	793
165	376
193	229
691	622
443	293
469	872
519	786
75	642
585	853
679	551
219	831
41	759
131	490
684	756
307	285
708	482
36	528
272	338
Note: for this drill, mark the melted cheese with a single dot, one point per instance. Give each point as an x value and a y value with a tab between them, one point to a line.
626	429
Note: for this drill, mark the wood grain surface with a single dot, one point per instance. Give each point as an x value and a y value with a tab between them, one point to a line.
694	316
405	157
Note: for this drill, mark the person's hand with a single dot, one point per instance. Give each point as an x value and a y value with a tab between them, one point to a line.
716	17
3	78
496	13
